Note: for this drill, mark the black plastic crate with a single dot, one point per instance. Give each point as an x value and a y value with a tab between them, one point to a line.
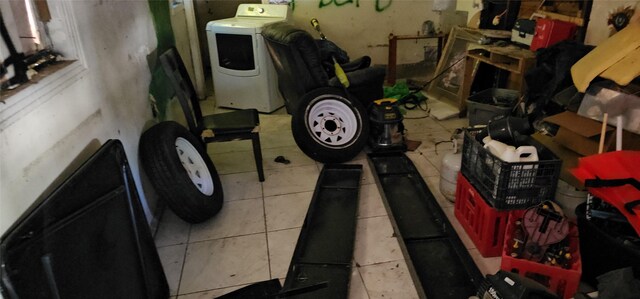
606	245
510	186
489	104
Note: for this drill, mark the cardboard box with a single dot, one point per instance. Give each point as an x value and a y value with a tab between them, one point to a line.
582	135
569	159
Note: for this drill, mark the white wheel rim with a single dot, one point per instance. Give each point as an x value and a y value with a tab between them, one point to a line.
332	122
195	166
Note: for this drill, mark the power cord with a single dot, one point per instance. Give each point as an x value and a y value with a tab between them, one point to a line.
410	101
452	139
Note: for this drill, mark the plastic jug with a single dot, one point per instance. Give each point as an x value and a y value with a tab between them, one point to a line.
508	153
525	153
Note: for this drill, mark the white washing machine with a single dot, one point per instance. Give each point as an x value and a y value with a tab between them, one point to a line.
243	74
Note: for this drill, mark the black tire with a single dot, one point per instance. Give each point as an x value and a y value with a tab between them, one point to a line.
329	126
194	195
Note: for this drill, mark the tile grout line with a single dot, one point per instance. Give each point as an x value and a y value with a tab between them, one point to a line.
353	259
377	216
251	150
228	237
268	170
184	261
291	193
298	227
266	230
239	199
380	263
366	290
283	229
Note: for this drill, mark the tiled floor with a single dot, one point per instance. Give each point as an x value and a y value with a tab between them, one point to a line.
253	237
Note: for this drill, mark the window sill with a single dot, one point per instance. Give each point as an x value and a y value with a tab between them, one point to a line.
48	82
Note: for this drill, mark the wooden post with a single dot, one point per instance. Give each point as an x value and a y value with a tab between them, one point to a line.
467	81
391	62
43	10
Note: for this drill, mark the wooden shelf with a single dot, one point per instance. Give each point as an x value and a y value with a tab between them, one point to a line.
510	59
513	59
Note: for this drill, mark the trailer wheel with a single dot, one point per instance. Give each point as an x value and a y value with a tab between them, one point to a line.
329	127
181	171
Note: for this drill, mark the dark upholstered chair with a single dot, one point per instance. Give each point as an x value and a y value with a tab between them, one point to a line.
329	122
299	64
229	126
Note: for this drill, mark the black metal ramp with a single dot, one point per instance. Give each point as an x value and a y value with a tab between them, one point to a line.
439	263
325	246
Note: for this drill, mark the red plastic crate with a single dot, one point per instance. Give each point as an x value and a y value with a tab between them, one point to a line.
564	282
484	224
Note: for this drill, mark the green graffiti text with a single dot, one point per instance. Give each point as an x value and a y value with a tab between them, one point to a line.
380	8
324	3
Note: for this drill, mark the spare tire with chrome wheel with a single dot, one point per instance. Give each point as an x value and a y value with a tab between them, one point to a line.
181	172
329	126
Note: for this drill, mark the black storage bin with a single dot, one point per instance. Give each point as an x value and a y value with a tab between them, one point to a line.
490	104
87	239
510	186
602	250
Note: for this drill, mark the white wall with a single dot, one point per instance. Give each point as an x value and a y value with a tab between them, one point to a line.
472	7
107	100
363	30
598	30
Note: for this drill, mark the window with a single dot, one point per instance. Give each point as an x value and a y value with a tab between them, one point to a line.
24	38
36	28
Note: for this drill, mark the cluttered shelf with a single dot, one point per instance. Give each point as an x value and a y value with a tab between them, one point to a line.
510	58
505	38
573	163
37	78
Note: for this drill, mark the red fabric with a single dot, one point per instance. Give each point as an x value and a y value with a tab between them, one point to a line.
613	165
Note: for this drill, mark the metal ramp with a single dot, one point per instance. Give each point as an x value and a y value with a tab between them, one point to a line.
439	263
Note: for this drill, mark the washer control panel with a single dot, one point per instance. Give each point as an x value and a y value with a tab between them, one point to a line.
263	10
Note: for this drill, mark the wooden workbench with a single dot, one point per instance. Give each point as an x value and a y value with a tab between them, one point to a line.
511	58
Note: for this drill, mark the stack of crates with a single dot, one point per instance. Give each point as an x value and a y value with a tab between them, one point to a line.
491	192
488	188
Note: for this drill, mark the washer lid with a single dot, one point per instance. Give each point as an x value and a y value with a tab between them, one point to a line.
254	16
241	22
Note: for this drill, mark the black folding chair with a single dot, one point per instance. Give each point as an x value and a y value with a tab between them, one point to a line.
228	126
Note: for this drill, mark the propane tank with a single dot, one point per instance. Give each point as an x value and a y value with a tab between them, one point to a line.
451	164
